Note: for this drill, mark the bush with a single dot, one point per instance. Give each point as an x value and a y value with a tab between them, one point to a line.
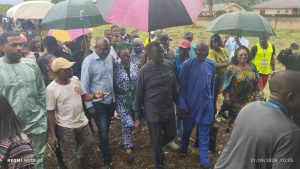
219	13
4	8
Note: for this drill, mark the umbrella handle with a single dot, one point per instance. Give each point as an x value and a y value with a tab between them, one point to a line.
84	39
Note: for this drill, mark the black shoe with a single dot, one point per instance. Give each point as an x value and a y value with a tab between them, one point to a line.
183	153
130	158
107	162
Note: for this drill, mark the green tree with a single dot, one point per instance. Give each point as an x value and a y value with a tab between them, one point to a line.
56	1
246	4
4	8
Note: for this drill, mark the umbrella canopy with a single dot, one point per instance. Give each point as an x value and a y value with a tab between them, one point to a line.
149	15
242	24
68	35
29	10
73	14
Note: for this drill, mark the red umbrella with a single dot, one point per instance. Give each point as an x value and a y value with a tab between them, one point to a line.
149	15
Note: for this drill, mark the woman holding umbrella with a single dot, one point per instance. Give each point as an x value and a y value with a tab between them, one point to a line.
125	74
219	55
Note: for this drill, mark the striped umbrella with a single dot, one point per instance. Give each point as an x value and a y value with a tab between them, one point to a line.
149	15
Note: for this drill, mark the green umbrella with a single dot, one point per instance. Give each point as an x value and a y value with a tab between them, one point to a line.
242	24
73	14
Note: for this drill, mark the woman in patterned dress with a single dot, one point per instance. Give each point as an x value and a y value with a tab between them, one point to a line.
125	74
241	83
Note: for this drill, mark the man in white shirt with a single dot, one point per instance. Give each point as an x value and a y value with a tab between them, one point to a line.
232	43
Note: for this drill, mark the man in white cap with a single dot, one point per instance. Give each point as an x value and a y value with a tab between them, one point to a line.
65	113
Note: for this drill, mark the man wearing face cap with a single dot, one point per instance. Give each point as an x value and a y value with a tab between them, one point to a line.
266	135
188	36
165	42
263	57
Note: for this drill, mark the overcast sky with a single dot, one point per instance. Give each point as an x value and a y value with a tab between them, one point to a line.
14	2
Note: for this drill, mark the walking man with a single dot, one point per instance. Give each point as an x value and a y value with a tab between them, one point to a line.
156	91
196	100
97	74
64	98
22	84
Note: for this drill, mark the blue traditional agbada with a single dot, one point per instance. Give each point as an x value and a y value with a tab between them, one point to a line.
196	92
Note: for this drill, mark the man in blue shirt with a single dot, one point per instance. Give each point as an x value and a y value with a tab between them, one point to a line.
180	57
97	74
196	100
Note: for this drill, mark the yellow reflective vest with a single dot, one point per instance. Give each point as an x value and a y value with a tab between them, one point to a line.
262	59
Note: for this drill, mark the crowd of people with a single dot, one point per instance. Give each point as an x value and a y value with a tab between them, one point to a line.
52	89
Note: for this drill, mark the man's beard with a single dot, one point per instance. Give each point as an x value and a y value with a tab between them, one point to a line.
14	57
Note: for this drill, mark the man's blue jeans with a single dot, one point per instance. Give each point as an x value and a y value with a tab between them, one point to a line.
104	113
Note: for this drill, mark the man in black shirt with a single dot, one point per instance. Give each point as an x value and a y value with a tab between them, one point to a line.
80	53
156	91
53	48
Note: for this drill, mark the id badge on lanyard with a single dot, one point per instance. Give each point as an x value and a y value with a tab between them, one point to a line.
264	62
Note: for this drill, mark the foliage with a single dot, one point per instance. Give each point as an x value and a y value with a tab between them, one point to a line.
247	4
56	1
219	13
4	8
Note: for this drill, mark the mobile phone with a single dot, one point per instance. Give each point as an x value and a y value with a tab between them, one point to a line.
107	93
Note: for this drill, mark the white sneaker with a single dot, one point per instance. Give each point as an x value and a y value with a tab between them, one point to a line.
173	146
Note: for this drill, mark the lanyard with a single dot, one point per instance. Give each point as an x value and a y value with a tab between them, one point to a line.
276	106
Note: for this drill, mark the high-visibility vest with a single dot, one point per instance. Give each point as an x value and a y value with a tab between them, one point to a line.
262	59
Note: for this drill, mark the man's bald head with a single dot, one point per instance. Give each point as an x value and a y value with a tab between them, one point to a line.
284	82
102	47
101	40
202	44
137	41
284	88
202	49
137	45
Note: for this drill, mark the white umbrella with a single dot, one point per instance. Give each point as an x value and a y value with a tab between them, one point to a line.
29	10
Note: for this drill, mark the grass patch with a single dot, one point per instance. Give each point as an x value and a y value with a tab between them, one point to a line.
282	41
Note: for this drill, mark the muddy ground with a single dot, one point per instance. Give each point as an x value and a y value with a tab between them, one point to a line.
143	153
